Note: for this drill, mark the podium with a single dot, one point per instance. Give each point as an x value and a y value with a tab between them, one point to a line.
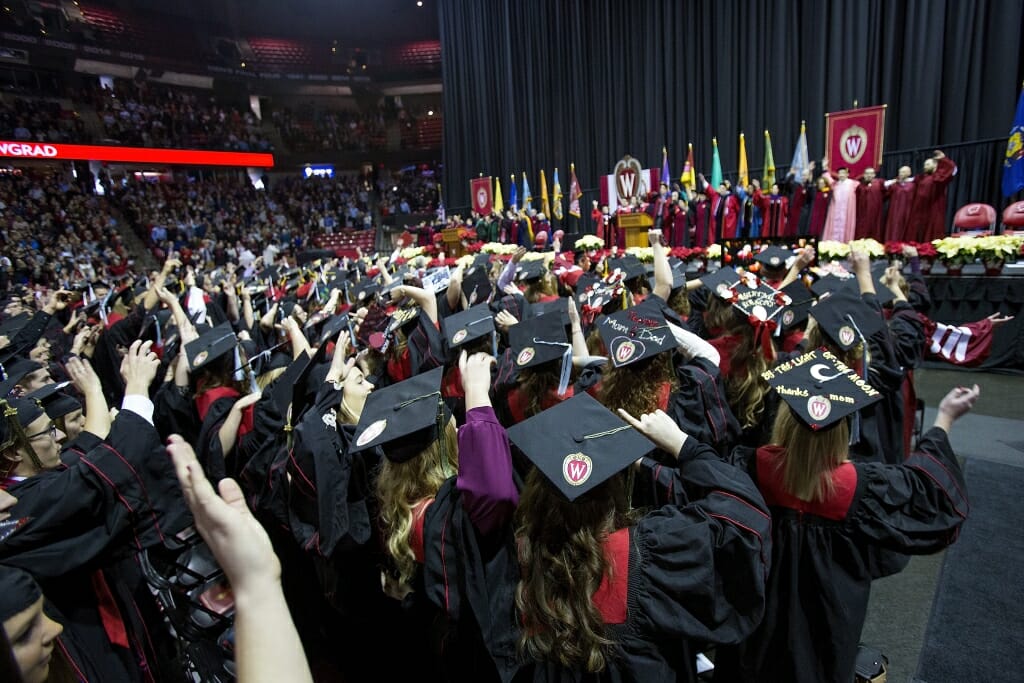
452	243
635	227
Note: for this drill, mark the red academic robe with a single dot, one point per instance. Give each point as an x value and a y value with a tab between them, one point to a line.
729	214
774	213
928	215
869	209
901	199
704	222
819	210
796	205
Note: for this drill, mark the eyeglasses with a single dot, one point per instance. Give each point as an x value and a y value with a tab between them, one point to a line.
51	431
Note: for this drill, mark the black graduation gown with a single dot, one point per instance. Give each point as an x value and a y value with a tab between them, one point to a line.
833	550
699	405
696	574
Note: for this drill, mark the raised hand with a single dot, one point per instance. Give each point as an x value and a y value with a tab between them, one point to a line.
139	367
659	428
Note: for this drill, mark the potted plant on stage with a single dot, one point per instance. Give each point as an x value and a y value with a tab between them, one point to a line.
955	252
927	253
873	248
996	250
831	250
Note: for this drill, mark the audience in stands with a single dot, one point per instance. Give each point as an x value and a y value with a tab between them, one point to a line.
39	121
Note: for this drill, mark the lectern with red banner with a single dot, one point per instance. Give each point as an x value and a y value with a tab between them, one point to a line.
854	139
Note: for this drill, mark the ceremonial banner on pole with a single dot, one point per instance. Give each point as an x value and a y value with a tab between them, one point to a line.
716	165
666	176
545	205
574	192
480	190
527	196
513	195
854	138
499	203
1013	166
689	178
558	196
801	158
768	179
744	172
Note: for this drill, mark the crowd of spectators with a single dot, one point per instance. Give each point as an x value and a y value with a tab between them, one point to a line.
54	233
309	129
39	121
408	192
151	115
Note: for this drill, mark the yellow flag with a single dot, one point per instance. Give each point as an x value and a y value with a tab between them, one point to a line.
744	173
498	203
545	205
769	163
558	196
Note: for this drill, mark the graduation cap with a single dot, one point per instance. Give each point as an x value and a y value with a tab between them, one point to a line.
480	261
23	410
882	291
578	444
404	418
529	271
333	326
557	308
800	301
585	282
773	257
477	287
13	325
819	388
466	326
211	345
15	370
635	334
829	284
846	319
761	302
269	273
629	266
53	401
721	281
290	387
540	340
678	280
364	291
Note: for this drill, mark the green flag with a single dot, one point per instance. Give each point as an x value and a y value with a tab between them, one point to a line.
716	165
768	179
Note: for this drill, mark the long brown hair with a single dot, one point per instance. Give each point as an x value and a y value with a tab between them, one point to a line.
561	551
816	339
634	387
809	456
535	384
745	389
402	485
546	285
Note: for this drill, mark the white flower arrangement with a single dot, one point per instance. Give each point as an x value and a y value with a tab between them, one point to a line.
410	252
873	248
833	250
714	251
590	242
499	248
645	254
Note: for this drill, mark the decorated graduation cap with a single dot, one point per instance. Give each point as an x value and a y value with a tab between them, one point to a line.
846	319
467	326
210	346
18	413
364	291
800	301
540	340
635	334
721	281
404	418
477	287
773	257
629	266
528	271
820	389
578	444
54	401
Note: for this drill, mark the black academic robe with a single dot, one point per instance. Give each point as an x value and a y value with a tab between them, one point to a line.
825	555
695	574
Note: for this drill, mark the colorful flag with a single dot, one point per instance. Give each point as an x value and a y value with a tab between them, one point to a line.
666	175
574	192
499	203
801	158
558	197
716	165
689	179
442	217
768	179
527	197
744	172
1013	166
545	205
513	195
480	191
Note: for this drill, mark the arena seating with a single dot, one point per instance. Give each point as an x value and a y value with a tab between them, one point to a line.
346	242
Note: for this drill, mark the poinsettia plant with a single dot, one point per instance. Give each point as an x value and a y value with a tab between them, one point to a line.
873	248
831	250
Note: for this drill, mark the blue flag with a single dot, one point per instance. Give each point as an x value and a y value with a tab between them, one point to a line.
513	196
1013	166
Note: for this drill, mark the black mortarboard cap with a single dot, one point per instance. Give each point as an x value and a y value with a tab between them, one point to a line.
269	273
556	307
773	257
720	281
800	301
331	328
18	590
578	444
631	267
762	301
27	412
635	334
820	388
528	271
845	318
364	291
404	418
828	284
13	325
56	403
14	371
538	340
465	326
480	261
210	346
477	287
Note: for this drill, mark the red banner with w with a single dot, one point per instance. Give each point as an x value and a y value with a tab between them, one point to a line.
480	190
854	139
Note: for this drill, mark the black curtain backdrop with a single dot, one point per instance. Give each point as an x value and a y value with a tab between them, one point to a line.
531	84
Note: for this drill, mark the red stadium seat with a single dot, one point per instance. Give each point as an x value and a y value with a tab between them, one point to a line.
975	216
1013	216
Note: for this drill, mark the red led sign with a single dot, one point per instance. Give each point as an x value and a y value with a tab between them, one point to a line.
142	155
